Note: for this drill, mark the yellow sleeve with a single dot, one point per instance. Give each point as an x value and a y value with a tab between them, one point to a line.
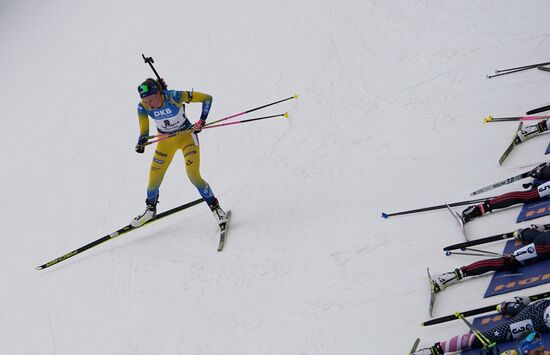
143	125
195	96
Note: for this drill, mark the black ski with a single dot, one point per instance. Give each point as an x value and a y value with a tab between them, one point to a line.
477	311
224	228
415	346
118	233
485	240
472	243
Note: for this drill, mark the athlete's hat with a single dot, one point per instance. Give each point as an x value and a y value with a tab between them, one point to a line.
147	88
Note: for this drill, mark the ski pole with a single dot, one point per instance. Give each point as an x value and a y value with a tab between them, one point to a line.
525	66
162	137
487	344
432	208
518	118
244	121
477	311
478	252
118	233
254	109
509	72
538	110
150	61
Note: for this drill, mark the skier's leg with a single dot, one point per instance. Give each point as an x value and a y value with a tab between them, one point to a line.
488	265
161	160
160	163
506	200
192	156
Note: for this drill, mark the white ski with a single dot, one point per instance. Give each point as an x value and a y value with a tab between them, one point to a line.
460	222
224	228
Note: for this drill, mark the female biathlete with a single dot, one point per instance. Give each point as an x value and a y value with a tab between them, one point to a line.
167	109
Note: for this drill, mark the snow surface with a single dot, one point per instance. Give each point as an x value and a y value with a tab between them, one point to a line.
392	97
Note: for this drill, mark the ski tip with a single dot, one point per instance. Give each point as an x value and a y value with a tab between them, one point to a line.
473	193
39	268
384	215
447	253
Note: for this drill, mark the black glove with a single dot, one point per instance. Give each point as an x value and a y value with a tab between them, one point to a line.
197	127
140	146
537	172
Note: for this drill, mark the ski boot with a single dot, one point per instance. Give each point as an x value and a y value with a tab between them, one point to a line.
475	211
432	350
531	131
446	279
149	213
218	213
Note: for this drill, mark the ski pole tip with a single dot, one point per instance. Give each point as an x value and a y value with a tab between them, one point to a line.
295	96
384	215
487	119
285	115
447	253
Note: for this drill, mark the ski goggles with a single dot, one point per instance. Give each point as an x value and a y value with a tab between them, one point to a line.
147	89
531	342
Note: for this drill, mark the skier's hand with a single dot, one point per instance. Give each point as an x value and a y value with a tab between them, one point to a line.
519	234
197	127
538	227
511	306
140	146
537	172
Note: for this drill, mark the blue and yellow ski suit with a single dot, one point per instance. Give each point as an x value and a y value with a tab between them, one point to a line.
170	118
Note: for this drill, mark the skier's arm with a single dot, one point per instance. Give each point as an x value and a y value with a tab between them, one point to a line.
143	129
195	96
143	121
528	235
514	306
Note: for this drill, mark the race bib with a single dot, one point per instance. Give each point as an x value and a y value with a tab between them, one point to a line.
518	328
525	253
544	189
167	121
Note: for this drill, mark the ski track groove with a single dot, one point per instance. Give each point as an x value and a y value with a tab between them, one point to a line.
52	333
448	93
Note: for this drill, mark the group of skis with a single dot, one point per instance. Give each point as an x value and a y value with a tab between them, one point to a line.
223	228
521	134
